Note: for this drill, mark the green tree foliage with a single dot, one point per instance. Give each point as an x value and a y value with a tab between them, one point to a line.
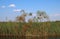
41	15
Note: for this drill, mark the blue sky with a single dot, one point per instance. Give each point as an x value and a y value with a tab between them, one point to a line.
11	8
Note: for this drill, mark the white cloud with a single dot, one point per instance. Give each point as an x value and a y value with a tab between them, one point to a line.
17	10
12	5
3	6
55	15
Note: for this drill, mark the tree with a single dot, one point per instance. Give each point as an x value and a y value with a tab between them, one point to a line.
22	11
30	20
30	14
35	19
45	16
17	18
41	15
30	17
21	18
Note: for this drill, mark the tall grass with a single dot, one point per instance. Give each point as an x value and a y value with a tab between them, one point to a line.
18	28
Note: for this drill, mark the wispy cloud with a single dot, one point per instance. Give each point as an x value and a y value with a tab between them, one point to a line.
55	15
12	5
17	10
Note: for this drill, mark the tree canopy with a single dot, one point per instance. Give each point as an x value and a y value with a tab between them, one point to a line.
40	16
